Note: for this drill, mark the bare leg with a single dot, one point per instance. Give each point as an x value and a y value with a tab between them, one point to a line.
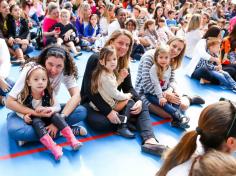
19	54
72	47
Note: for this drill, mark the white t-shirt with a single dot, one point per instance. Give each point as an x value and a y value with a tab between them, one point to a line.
69	82
192	38
115	25
5	64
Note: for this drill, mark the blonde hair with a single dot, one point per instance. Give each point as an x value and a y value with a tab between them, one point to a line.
214	163
26	90
65	12
213	125
123	62
162	49
52	6
194	22
104	55
176	62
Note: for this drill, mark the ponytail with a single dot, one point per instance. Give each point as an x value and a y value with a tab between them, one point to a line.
181	153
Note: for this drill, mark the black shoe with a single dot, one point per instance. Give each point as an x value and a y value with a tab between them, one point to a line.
124	131
132	127
195	100
179	124
223	99
154	149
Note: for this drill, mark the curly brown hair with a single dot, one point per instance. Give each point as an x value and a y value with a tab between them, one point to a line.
58	51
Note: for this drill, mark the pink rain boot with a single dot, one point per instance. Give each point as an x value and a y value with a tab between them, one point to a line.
68	134
56	150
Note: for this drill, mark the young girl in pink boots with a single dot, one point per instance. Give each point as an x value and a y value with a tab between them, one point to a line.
38	95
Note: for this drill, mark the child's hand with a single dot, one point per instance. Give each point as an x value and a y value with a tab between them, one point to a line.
40	109
52	130
27	118
162	101
218	67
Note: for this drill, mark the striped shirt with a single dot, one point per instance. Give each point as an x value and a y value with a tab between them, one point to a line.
143	82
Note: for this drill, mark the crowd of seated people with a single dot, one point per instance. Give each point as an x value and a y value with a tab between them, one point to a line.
157	34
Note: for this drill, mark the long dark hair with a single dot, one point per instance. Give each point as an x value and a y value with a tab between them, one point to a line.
213	31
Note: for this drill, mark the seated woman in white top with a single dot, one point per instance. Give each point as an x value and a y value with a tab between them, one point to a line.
216	130
193	35
5	66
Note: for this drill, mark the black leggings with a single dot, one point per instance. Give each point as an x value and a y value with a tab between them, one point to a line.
40	123
99	122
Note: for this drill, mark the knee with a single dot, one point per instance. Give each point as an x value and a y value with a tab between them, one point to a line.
82	112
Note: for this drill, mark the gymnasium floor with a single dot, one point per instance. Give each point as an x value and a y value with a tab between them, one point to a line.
102	154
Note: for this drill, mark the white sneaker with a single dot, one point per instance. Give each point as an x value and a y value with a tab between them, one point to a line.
21	143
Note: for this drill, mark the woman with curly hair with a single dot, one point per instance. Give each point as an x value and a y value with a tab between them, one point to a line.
60	69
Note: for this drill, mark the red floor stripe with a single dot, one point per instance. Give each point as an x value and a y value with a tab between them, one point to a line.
28	152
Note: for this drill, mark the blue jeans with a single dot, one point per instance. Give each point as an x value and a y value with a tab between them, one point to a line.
224	79
20	131
172	109
10	83
28	50
204	73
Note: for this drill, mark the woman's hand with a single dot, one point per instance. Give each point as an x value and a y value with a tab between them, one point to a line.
27	118
52	130
18	40
10	41
162	101
45	113
4	86
123	73
137	108
113	117
172	98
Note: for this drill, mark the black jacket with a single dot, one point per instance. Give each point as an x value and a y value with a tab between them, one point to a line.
11	26
97	99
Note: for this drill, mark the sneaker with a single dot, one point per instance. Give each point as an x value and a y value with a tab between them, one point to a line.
195	100
21	143
79	130
124	131
179	124
78	54
234	89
